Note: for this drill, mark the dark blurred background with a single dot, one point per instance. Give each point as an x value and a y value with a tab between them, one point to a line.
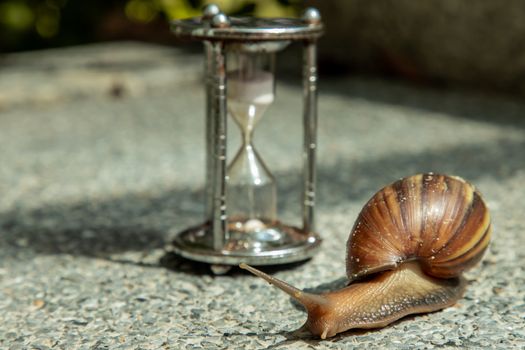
435	42
38	24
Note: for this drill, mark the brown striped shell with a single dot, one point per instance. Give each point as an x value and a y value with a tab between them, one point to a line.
439	220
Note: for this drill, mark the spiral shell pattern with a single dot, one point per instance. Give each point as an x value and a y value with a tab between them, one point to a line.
439	220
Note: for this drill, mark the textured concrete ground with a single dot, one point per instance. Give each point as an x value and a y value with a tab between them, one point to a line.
93	185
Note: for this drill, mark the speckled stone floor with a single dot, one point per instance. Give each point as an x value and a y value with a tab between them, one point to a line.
93	187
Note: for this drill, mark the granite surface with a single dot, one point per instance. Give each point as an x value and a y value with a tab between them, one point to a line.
94	185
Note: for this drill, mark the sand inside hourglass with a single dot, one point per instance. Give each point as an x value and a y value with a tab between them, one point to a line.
249	98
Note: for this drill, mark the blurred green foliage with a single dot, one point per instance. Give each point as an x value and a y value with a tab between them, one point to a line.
36	24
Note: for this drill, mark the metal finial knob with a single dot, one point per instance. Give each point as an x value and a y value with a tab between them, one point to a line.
312	15
210	11
220	20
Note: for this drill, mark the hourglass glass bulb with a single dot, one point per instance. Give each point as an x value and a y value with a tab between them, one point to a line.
251	190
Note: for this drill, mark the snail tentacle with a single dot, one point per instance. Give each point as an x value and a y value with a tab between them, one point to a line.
308	300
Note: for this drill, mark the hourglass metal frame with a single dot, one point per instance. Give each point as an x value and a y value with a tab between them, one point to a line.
208	242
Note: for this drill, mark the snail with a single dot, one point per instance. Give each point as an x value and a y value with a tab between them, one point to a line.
405	255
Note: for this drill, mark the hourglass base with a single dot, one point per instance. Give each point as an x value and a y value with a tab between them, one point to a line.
253	242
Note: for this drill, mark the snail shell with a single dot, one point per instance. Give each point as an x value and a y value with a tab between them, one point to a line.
438	220
412	241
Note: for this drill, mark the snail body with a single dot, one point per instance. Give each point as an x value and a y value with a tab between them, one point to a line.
405	255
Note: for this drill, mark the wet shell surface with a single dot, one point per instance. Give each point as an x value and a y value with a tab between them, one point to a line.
439	220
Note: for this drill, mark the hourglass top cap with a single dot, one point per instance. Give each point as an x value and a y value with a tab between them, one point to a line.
312	15
210	10
225	28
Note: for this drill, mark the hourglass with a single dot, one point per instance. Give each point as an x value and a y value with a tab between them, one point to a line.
241	223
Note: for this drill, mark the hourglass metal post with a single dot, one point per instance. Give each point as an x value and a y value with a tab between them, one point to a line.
241	223
310	123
